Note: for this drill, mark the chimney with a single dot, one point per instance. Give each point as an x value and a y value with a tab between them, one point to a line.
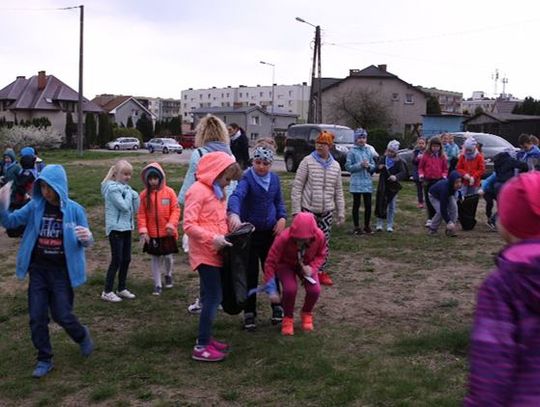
21	77
382	67
41	80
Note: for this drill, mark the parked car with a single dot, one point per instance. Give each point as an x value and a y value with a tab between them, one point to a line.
187	140
124	143
300	141
491	146
165	145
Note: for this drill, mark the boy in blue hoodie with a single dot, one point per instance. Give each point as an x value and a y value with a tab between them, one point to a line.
52	253
529	153
443	198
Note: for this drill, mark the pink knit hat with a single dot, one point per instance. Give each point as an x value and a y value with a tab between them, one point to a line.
519	206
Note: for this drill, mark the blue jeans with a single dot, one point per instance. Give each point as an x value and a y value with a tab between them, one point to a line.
51	289
390	214
210	280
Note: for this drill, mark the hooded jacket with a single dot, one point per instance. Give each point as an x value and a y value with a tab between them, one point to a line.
505	166
10	171
475	167
361	181
504	357
284	251
121	206
155	220
205	216
443	190
31	215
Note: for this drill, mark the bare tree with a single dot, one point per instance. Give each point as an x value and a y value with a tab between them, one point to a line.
360	108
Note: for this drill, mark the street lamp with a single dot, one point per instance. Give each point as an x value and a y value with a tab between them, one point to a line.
273	93
315	102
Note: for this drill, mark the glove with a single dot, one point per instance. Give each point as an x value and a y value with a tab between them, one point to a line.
83	234
481	192
471	180
392	178
234	222
220	242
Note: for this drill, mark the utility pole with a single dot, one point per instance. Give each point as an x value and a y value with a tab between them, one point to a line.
80	111
315	96
272	125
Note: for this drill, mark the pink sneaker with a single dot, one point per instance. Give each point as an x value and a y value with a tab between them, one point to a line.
207	354
420	206
220	346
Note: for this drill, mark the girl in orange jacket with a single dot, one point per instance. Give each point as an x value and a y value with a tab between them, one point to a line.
205	223
471	166
158	219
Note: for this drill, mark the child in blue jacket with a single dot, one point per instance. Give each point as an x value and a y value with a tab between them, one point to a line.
258	200
361	165
52	253
443	197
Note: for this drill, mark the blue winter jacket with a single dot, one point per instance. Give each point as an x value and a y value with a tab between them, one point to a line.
121	206
31	215
255	205
443	190
360	177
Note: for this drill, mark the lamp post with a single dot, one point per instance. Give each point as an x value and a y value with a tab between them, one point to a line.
273	93
315	97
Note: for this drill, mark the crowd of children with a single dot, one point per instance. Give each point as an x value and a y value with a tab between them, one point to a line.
55	233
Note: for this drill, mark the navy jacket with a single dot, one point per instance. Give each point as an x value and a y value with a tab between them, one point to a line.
255	205
443	190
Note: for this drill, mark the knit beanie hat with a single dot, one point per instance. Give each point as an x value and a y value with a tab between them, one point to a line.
325	138
263	153
27	151
393	146
358	133
519	206
470	144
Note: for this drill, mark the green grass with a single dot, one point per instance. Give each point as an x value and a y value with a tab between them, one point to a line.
393	331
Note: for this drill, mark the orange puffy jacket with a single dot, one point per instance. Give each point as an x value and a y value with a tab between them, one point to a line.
154	219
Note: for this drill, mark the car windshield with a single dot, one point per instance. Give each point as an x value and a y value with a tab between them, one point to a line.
492	141
169	141
342	135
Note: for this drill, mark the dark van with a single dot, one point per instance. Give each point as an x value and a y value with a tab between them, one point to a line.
301	138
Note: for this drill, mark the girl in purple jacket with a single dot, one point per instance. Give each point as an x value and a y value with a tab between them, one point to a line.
505	340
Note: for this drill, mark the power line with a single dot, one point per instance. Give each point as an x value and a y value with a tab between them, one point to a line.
38	8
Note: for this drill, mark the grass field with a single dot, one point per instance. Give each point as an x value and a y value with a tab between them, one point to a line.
392	331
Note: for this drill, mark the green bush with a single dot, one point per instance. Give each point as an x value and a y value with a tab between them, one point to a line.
127	132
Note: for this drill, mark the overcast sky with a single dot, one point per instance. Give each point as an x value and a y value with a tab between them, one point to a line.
160	47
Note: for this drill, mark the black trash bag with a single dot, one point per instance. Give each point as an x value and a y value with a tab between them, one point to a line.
235	265
467	211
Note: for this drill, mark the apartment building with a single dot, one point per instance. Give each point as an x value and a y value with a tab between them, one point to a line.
288	99
449	101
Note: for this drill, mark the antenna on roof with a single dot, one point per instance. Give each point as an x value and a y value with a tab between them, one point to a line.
504	82
495	77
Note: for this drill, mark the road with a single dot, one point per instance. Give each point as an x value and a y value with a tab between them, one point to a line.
278	166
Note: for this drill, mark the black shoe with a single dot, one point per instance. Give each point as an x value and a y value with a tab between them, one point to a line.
277	314
168	282
249	322
357	231
368	230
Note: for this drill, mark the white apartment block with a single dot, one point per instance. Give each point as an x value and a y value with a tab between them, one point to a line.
293	99
163	108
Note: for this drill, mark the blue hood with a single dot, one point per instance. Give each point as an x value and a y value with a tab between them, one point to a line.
56	177
453	177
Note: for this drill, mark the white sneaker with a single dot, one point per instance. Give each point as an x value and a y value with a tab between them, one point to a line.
195	308
111	297
126	294
428	223
389	230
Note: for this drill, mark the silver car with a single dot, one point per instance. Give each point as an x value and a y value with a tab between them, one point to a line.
124	143
165	145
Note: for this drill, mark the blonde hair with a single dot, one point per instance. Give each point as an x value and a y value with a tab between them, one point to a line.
266	142
211	128
118	167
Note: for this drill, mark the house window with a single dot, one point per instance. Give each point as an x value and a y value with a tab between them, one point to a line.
409	99
255	120
254	136
225	119
200	96
209	95
185	97
240	94
290	93
222	96
200	105
395	97
247	94
260	94
227	94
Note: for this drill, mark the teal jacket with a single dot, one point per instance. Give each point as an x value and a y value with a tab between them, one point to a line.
121	206
31	215
360	176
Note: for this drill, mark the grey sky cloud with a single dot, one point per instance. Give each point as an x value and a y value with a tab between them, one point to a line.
158	48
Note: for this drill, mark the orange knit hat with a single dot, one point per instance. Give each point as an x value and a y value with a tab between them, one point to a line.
325	138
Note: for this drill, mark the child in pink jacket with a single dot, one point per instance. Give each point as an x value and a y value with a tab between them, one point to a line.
297	252
205	223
